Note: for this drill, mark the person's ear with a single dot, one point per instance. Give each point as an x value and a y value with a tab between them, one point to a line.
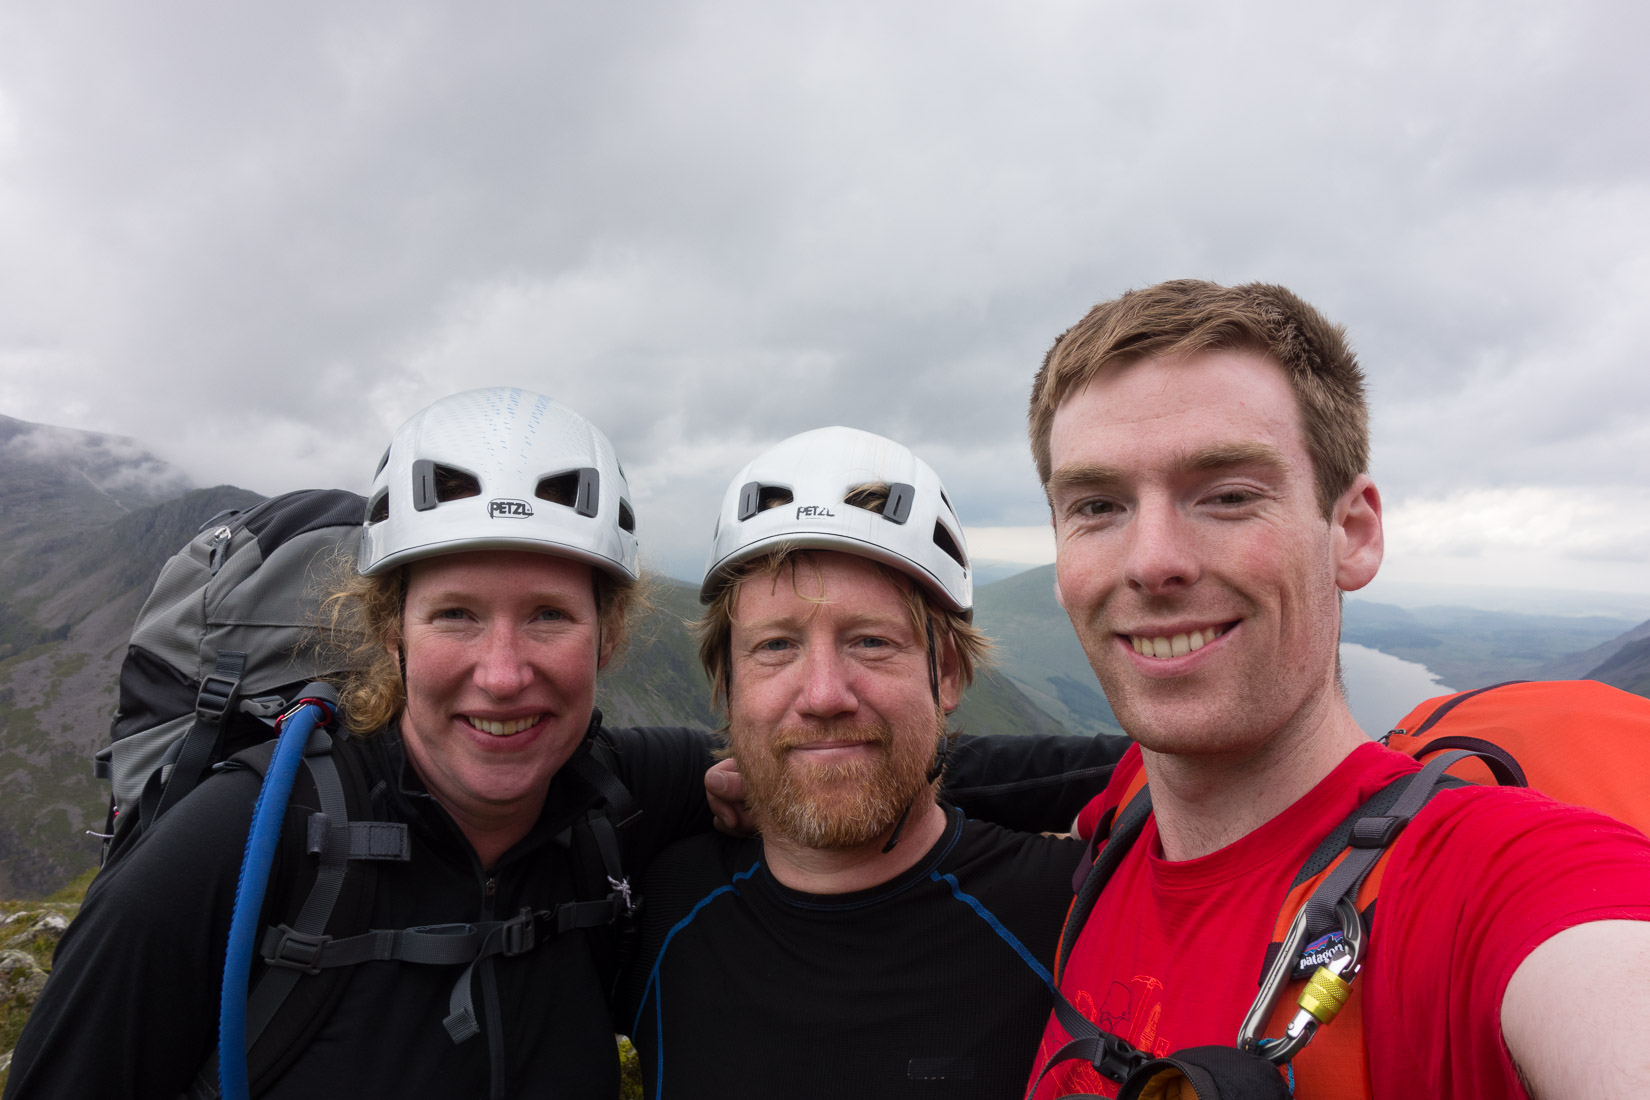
1359	541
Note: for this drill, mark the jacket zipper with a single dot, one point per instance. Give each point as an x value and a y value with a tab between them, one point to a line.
489	994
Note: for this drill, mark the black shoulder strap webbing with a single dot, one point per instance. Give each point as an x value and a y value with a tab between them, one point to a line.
200	745
597	765
1371	829
335	841
1113	1057
1125	830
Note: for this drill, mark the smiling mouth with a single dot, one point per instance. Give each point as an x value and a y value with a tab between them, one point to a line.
503	729
1176	645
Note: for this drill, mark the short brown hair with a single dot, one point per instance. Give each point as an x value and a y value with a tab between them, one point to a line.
1187	316
714	628
362	616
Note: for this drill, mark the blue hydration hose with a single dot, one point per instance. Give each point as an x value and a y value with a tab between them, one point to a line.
316	706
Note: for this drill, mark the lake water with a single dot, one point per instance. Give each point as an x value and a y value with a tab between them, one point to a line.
1382	688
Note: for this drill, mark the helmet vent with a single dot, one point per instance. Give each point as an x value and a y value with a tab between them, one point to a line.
576	489
755	497
435	484
943	539
891	502
451	484
627	518
379	510
385	461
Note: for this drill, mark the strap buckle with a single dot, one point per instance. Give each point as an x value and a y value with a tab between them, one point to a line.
216	693
519	934
1119	1059
294	950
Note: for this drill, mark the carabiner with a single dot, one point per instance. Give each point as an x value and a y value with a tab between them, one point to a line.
1326	991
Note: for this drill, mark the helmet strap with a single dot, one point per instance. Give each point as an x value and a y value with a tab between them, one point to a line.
933	659
899	826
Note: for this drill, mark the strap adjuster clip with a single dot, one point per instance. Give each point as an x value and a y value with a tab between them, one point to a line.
1118	1060
216	692
294	950
1376	832
519	934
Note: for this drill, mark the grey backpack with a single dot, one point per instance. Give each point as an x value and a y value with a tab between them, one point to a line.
221	647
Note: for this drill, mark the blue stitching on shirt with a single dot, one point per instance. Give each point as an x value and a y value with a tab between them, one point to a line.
996	926
651	988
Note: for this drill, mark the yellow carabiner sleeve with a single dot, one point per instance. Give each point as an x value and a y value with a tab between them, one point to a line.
1324	995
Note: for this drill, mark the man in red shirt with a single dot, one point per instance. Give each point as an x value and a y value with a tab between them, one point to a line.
1205	454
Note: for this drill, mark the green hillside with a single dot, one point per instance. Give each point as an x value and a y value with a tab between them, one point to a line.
1038	650
86	522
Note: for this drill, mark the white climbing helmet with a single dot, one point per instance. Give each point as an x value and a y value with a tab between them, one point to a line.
499	469
794	495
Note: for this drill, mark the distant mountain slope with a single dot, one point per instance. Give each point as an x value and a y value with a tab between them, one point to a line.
87	521
1628	668
1470	648
1580	666
1038	650
62	638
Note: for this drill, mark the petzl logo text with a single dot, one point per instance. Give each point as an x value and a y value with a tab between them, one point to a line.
509	509
813	510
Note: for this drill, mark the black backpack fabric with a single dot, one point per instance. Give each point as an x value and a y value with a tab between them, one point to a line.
221	647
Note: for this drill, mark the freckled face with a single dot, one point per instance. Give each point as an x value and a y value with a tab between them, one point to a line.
831	716
1192	557
501	651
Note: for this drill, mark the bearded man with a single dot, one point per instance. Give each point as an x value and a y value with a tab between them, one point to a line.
872	942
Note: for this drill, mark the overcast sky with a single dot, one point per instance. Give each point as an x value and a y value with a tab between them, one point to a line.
258	237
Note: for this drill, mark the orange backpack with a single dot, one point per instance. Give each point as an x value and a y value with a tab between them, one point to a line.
1518	734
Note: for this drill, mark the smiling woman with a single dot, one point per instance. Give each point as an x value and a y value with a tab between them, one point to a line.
501	649
490	873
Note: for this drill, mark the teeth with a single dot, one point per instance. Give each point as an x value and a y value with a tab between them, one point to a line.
503	729
1177	646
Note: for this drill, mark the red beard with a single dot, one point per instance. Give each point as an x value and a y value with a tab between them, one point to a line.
833	804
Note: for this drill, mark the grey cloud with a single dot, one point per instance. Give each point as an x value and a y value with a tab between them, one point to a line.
257	239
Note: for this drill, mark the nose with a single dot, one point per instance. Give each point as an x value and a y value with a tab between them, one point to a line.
827	692
1161	557
502	669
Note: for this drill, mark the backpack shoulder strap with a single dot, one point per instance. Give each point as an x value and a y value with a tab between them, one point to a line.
1336	887
334	854
1111	1056
597	763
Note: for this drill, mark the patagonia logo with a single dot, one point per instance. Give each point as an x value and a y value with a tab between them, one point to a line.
813	510
1320	952
509	509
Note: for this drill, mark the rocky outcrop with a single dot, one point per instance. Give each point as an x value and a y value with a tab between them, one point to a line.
29	932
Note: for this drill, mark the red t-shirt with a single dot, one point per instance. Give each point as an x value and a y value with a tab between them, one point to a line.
1171	956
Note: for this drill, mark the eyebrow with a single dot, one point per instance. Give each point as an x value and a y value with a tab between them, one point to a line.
1223	456
792	621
